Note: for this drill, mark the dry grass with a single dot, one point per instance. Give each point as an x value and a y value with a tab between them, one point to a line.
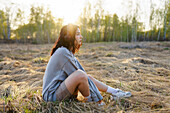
142	68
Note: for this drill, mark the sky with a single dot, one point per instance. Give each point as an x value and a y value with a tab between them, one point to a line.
70	10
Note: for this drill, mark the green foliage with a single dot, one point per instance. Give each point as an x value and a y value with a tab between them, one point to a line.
166	48
168	21
108	27
44	28
3	25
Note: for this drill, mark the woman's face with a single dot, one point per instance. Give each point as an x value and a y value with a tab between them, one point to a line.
78	37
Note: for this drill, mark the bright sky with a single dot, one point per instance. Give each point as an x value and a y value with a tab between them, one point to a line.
70	10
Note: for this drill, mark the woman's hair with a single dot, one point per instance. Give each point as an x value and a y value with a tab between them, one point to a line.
67	39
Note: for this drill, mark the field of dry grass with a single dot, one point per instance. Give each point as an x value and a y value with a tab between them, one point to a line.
142	68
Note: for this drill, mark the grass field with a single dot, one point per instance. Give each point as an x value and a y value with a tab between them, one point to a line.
141	68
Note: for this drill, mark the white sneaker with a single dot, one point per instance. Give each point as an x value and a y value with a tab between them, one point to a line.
120	94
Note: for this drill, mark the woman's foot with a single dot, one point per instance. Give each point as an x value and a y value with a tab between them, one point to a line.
101	103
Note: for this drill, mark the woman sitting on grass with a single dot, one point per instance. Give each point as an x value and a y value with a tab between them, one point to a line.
64	76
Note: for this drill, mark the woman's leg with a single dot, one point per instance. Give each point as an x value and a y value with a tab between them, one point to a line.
79	80
101	86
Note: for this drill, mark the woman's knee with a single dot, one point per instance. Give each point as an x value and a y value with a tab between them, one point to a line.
81	75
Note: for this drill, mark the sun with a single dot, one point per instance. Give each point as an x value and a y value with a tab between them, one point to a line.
69	18
69	10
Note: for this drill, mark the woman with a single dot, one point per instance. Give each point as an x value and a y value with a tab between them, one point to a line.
64	76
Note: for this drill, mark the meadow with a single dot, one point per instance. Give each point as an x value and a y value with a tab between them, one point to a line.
142	68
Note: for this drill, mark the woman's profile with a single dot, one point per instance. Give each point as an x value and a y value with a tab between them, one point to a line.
64	76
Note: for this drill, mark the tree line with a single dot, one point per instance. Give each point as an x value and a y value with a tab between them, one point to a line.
106	27
42	27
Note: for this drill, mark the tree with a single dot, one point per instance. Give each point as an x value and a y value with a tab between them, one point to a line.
107	31
165	19
151	18
159	15
89	23
97	19
8	22
128	18
59	25
36	17
115	28
49	26
19	21
3	25
168	21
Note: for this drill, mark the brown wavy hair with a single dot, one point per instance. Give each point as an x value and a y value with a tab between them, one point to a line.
67	39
